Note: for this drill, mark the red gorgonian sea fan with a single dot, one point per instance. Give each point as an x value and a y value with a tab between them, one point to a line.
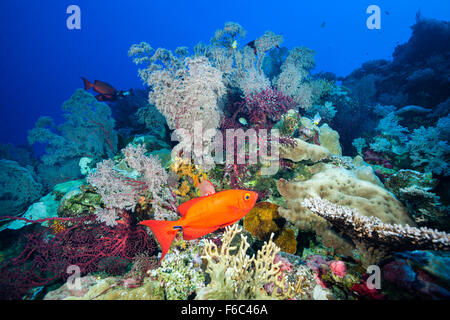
45	256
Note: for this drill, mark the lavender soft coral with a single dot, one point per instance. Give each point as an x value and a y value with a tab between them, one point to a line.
123	192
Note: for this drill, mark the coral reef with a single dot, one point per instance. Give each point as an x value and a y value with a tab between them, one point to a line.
374	233
238	276
360	179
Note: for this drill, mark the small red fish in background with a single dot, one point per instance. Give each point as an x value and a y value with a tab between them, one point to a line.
205	188
106	91
203	215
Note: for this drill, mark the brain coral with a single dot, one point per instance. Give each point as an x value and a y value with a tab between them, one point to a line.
342	187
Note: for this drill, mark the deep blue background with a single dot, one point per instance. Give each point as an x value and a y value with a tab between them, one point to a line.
41	61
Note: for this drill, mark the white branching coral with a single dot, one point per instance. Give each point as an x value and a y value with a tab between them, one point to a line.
108	216
235	275
371	230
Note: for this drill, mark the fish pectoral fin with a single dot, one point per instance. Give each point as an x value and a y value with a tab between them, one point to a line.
191	233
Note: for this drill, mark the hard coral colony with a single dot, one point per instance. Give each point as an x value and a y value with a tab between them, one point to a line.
201	219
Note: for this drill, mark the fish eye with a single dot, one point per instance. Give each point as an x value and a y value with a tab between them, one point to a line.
247	196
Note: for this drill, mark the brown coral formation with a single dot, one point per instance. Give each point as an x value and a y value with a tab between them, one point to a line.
303	151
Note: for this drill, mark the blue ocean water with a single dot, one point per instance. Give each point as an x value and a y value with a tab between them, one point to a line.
41	60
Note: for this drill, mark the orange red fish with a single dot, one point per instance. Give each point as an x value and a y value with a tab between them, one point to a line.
203	215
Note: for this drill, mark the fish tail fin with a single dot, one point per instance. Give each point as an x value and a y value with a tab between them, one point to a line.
87	83
163	231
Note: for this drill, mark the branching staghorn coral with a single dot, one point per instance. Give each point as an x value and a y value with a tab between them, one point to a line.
370	230
238	276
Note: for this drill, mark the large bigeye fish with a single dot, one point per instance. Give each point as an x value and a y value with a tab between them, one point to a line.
203	215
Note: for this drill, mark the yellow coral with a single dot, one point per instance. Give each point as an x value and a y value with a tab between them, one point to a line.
184	189
260	220
57	227
263	220
240	277
184	168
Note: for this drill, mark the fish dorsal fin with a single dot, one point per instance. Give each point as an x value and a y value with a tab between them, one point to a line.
184	207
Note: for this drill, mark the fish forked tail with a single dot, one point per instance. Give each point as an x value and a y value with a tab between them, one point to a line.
164	232
87	83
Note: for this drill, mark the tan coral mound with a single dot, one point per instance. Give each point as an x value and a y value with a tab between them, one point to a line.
341	187
303	151
329	139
